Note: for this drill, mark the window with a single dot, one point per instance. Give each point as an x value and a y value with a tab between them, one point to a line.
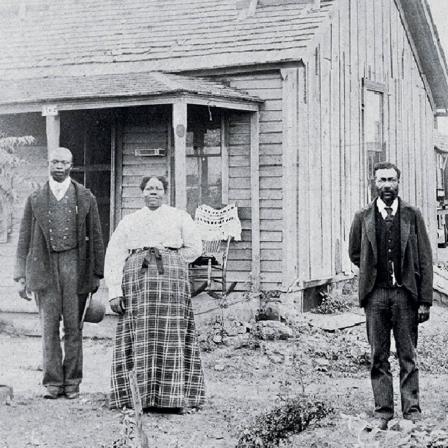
373	132
204	162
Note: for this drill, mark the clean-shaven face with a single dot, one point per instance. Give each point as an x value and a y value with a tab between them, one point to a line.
61	160
153	193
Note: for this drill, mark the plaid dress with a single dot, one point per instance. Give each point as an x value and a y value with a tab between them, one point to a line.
156	336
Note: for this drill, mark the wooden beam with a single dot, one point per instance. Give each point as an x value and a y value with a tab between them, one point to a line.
290	183
118	177
224	159
53	129
113	192
141	100
255	196
180	152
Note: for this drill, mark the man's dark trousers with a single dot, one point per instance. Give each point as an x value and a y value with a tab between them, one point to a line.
391	309
61	299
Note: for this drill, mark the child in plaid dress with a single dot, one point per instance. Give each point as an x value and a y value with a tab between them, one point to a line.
146	272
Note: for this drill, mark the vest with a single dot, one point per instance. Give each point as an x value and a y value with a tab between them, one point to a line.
388	243
62	221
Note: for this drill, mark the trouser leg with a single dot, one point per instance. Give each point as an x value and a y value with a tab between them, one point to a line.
72	366
405	327
50	308
378	318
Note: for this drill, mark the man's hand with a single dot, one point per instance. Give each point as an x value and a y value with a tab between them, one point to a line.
116	305
423	313
96	284
21	289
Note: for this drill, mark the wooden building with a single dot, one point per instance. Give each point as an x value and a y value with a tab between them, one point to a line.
281	106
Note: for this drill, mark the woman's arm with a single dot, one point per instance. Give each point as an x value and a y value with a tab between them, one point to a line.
192	243
116	254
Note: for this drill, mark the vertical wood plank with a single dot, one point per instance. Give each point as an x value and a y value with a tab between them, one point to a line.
315	168
379	40
255	196
289	169
53	130
113	155
180	153
224	159
119	170
303	239
348	139
327	188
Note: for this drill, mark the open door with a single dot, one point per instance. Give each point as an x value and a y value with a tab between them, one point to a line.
88	135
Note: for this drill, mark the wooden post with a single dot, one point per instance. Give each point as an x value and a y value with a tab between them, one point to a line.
290	172
224	160
180	152
255	196
303	174
138	411
53	126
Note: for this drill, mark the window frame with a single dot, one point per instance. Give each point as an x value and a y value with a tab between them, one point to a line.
379	89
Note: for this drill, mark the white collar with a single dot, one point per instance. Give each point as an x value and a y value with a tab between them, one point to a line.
382	207
59	188
148	211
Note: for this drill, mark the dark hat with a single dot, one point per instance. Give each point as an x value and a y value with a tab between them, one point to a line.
94	310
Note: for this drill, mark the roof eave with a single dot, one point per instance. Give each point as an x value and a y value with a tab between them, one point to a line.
106	102
430	55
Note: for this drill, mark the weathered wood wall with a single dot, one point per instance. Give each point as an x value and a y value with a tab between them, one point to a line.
267	86
139	128
365	39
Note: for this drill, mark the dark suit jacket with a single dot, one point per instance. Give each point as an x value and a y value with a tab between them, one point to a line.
33	249
416	256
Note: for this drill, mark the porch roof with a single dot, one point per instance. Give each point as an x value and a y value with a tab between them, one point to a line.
71	92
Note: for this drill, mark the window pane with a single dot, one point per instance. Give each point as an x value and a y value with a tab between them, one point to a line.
204	142
373	134
204	183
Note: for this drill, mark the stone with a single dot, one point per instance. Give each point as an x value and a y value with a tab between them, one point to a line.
270	330
232	331
217	339
6	394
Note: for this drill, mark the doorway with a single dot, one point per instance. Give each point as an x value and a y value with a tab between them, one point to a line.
88	135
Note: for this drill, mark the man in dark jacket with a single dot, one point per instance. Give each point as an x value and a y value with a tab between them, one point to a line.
389	244
60	256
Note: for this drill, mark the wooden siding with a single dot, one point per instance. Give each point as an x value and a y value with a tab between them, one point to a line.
267	86
142	128
364	39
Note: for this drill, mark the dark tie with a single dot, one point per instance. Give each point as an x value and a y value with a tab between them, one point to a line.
389	213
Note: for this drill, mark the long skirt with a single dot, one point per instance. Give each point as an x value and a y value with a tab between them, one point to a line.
156	336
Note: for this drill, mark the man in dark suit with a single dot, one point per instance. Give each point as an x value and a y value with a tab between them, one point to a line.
60	258
389	244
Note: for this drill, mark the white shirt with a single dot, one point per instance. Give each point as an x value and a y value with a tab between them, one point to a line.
59	188
382	207
166	226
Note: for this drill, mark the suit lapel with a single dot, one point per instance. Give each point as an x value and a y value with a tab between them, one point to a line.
369	221
39	202
405	227
83	202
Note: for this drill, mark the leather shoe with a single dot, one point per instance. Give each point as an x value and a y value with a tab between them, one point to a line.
378	423
72	395
414	417
52	393
381	423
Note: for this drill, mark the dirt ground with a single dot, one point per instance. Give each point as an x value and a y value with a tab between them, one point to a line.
242	381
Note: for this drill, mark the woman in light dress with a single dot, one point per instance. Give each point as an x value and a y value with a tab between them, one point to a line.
146	271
